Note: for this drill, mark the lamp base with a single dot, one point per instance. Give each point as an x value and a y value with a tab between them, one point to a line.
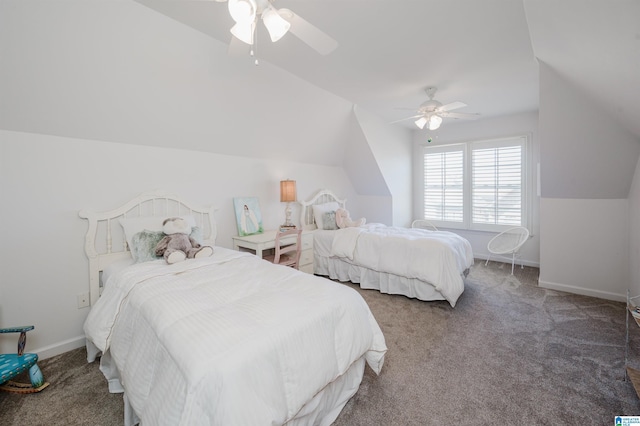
287	222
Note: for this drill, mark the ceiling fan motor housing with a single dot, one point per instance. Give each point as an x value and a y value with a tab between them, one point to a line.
430	106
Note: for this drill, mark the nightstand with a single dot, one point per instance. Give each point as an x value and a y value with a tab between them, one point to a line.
258	243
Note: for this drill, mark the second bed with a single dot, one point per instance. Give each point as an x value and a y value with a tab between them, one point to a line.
417	263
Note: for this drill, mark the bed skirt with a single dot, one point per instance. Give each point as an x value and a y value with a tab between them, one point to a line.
341	270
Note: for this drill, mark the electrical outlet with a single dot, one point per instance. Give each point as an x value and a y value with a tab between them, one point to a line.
83	300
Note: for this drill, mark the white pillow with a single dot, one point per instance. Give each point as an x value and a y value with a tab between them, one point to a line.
113	268
133	225
320	209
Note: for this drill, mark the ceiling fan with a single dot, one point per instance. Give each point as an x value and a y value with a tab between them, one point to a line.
431	112
278	22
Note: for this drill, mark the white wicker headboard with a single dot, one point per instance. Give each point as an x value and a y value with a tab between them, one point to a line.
105	242
306	212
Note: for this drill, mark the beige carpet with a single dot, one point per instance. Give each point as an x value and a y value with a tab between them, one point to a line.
509	353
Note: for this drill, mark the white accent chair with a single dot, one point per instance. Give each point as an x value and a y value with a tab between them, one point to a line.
423	224
507	244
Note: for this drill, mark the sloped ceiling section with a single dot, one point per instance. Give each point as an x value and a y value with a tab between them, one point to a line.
121	72
389	51
480	52
361	166
392	148
584	152
594	44
589	58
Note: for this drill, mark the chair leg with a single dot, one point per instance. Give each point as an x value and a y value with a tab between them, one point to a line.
36	385
35	375
513	261
487	262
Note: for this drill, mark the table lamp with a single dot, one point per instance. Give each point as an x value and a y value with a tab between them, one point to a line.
288	195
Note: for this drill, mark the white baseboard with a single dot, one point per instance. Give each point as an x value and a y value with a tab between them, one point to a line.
525	262
60	347
582	291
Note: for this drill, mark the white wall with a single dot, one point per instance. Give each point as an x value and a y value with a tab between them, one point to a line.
375	209
634	233
585	153
46	180
391	146
119	71
582	254
465	131
100	100
587	166
364	172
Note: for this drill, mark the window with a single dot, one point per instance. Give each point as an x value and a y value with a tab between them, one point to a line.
476	185
444	185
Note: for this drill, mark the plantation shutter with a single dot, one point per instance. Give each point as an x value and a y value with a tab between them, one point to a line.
497	182
444	184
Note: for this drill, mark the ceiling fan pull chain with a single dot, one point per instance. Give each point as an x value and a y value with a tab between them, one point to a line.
255	46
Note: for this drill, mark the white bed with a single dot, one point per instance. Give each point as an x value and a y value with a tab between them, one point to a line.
418	263
226	340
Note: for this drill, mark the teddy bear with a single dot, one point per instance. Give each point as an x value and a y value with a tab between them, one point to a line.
177	245
343	220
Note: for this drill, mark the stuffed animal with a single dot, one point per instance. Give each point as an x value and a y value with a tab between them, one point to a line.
177	245
343	220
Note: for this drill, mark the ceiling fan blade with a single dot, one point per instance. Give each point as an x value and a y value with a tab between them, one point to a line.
452	106
308	33
466	116
407	118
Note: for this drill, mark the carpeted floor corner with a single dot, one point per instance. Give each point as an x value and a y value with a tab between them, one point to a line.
508	353
77	395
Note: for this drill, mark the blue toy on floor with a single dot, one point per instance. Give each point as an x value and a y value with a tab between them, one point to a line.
11	365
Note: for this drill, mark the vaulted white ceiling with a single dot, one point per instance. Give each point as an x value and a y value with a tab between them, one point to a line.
480	52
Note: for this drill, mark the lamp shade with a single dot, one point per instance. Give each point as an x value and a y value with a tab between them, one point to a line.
276	25
421	122
243	32
287	191
434	122
242	10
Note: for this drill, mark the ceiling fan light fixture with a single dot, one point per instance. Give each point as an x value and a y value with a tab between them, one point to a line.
431	112
243	32
434	122
242	11
421	122
276	24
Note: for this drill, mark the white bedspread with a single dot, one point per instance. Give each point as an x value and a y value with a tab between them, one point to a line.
344	242
436	257
230	339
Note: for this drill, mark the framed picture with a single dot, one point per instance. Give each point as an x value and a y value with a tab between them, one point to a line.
248	216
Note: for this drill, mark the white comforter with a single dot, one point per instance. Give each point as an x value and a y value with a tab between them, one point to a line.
436	257
230	339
